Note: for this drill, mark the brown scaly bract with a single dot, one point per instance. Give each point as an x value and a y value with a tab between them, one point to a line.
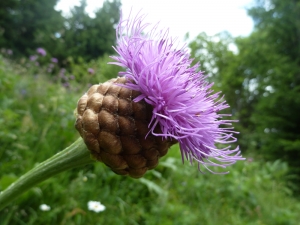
115	129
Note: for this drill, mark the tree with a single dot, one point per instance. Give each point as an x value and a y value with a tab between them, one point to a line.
89	38
28	24
277	120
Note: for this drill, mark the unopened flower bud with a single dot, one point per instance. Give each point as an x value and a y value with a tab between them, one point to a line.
116	129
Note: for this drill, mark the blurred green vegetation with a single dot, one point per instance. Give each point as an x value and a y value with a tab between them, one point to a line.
259	76
37	121
39	25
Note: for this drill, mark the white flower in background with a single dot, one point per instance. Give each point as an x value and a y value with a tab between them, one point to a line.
45	207
96	206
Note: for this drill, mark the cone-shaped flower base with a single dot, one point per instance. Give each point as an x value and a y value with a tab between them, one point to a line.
116	129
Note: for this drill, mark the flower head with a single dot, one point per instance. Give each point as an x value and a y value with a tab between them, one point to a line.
96	206
45	207
41	51
54	60
91	71
33	57
184	105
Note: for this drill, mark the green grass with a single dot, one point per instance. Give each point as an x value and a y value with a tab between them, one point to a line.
37	121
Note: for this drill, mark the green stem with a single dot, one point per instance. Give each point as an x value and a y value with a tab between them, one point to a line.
75	155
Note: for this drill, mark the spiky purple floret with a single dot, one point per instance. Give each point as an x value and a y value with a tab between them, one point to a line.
184	105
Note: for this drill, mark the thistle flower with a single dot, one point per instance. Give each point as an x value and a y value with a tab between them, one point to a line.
33	57
91	71
130	122
54	60
41	51
184	105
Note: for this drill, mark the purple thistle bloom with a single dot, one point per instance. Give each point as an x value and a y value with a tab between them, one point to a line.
54	60
33	57
41	51
184	105
91	71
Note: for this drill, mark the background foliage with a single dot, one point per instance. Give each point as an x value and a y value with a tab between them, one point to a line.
40	25
258	74
261	80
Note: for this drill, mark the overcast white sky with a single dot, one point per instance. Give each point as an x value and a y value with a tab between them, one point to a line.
182	16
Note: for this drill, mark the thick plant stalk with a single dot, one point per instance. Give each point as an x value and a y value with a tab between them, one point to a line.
75	155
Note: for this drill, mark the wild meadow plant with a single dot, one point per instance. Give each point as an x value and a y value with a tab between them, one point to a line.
128	123
36	120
